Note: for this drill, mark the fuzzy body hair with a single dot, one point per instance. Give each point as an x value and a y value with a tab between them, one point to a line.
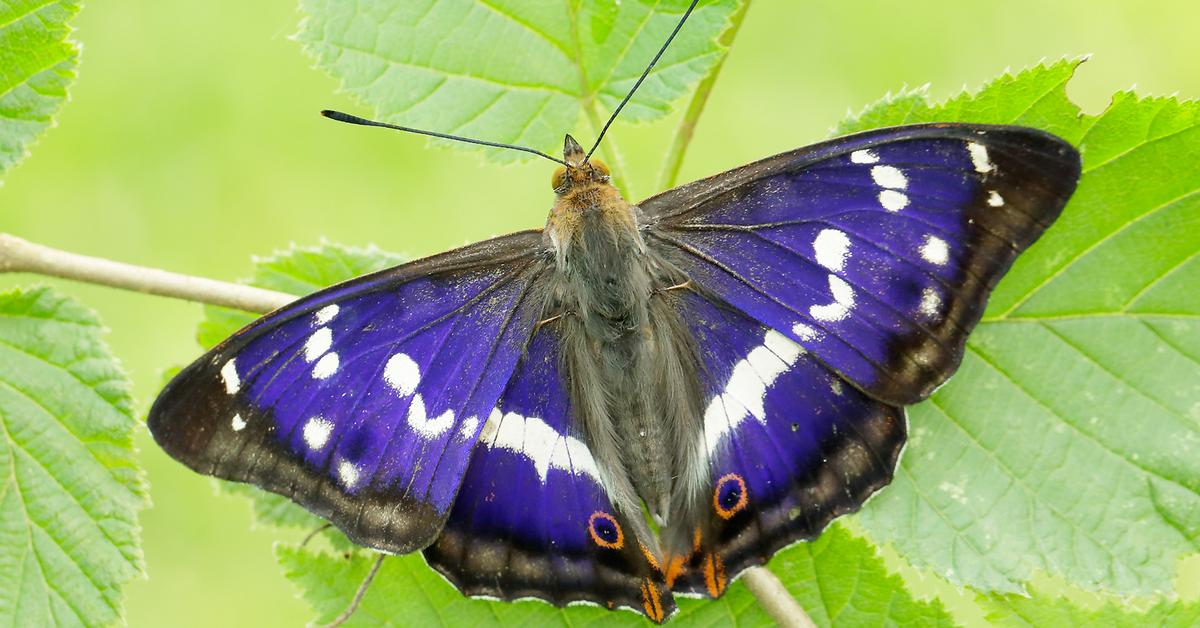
630	360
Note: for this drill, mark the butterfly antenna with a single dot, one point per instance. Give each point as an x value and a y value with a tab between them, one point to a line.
349	119
642	78
358	595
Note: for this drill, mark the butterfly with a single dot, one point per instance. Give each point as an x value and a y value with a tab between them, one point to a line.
733	354
635	401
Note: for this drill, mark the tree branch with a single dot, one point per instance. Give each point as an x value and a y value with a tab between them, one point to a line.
775	598
21	256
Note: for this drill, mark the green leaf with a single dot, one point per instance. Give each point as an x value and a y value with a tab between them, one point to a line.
72	487
838	579
38	63
1044	610
299	271
1069	441
515	71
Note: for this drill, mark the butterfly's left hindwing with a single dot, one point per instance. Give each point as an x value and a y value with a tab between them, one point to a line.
532	518
362	402
790	445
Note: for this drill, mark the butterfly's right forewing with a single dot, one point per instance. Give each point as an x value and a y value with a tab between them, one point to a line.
363	402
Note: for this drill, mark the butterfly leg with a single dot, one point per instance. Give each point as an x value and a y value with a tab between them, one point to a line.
547	321
686	285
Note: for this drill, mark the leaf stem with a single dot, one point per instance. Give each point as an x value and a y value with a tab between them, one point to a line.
21	256
775	598
620	176
687	126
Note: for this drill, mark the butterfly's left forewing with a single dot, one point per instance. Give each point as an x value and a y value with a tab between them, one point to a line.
875	251
362	402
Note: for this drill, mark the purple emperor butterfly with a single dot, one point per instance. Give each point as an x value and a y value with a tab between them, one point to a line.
731	356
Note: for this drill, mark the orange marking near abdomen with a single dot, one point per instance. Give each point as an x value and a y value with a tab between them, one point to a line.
650	558
675	567
714	575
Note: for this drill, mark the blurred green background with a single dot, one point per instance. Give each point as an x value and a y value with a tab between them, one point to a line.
192	143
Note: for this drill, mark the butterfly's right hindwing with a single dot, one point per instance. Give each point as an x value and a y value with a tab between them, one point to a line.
362	402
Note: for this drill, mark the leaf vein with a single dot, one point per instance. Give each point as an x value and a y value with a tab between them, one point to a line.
1062	419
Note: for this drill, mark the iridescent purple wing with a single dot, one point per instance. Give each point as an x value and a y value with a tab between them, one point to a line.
362	402
532	518
790	445
876	251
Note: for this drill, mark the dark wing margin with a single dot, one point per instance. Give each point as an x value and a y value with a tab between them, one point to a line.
875	251
362	402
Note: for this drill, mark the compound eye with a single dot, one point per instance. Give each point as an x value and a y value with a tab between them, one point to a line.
600	167
560	176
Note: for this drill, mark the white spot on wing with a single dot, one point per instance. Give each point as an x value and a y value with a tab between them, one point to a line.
326	314
467	429
326	366
782	346
488	433
425	425
892	200
935	250
317	344
746	390
832	247
238	424
994	199
843	300
348	473
229	376
931	302
541	444
402	373
316	432
889	177
804	332
864	156
979	157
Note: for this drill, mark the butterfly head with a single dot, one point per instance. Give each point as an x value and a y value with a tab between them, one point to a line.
579	171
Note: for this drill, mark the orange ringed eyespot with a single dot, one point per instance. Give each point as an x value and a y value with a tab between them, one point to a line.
605	530
730	496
